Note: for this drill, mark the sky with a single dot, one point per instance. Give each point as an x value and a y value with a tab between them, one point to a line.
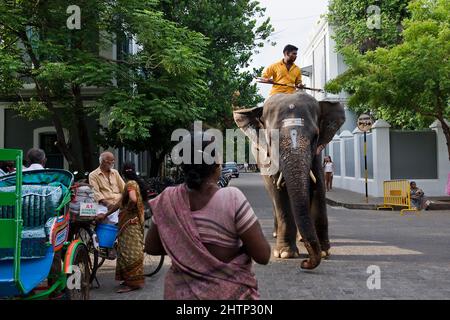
293	21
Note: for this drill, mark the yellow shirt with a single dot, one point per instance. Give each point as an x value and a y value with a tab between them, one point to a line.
278	72
106	189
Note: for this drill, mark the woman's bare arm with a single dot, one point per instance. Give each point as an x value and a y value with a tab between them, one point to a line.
132	195
256	244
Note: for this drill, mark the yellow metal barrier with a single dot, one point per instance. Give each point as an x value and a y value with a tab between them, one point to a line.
397	193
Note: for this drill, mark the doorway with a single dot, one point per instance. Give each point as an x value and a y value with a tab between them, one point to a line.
47	142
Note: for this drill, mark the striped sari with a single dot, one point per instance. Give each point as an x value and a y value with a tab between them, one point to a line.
195	273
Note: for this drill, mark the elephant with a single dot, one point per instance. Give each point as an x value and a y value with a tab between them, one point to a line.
305	126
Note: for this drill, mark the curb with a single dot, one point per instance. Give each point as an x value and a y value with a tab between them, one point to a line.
361	206
372	206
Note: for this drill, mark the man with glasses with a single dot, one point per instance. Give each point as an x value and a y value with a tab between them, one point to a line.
108	186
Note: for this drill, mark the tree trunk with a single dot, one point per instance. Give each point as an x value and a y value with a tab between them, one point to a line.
156	161
44	96
446	130
83	132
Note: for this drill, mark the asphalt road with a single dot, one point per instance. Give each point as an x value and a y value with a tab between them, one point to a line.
411	255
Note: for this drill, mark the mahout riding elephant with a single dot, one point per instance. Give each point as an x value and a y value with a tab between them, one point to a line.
296	187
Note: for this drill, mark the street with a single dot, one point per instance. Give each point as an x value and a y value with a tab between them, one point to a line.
411	252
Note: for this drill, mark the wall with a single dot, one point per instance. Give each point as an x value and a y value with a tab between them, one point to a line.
391	154
18	133
413	154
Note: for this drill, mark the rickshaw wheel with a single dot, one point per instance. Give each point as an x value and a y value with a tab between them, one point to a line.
81	259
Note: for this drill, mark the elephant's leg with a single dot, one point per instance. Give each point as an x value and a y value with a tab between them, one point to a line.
286	228
268	181
319	208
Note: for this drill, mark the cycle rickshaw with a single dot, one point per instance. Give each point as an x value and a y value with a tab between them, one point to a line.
36	259
100	238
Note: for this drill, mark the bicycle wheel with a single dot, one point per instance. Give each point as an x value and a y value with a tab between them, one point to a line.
85	233
152	264
81	260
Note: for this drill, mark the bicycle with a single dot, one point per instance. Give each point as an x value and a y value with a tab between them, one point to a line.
84	228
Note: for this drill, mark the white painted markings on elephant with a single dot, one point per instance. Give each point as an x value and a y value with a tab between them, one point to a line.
294	138
294	122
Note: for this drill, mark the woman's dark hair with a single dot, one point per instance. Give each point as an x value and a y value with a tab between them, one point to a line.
195	174
129	173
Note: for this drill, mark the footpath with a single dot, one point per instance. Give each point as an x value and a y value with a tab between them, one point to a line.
353	200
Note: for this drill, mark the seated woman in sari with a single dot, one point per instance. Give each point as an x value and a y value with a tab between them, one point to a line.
418	200
210	234
130	239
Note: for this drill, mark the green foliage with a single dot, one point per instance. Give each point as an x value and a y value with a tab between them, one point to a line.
234	35
187	68
349	19
408	84
32	109
158	86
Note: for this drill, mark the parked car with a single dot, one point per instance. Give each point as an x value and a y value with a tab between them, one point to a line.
231	167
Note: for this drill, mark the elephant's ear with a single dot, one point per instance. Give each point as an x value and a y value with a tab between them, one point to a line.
248	118
331	118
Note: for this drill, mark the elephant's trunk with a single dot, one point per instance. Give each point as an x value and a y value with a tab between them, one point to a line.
295	165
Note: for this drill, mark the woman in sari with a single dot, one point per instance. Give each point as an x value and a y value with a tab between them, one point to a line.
130	239
210	234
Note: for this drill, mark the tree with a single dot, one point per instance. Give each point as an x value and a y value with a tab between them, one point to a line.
407	84
158	87
137	93
235	35
355	22
38	48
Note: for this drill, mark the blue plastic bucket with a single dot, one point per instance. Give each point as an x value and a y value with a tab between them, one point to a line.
106	234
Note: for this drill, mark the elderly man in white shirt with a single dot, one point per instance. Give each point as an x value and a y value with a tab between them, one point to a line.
36	158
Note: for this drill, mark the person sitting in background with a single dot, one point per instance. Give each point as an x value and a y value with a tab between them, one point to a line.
211	235
108	186
36	159
418	199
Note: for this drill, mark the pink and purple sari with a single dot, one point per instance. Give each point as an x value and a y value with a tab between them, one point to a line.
195	273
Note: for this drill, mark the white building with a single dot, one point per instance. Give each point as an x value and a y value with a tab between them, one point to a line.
320	63
391	154
20	133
